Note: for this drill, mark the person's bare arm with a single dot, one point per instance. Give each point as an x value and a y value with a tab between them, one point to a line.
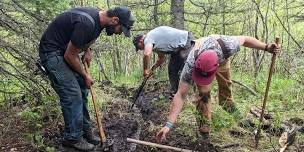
178	101
71	57
176	107
254	43
251	42
160	60
87	56
146	59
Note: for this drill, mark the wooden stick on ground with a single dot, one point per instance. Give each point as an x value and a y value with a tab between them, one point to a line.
157	145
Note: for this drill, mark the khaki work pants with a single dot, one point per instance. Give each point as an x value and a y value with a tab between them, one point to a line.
203	102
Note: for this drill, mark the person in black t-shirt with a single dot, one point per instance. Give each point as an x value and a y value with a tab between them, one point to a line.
67	35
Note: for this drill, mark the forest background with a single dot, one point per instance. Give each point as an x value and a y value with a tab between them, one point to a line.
22	22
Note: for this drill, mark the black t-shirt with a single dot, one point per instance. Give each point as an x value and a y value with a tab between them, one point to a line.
72	27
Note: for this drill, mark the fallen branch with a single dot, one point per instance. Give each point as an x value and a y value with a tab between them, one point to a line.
245	86
157	145
230	146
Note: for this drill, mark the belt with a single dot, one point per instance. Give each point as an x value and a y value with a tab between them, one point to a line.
47	55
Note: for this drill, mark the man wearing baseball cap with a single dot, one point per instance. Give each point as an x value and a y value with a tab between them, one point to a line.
69	34
209	59
165	40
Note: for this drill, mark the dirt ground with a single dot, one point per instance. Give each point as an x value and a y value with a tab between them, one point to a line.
12	131
120	122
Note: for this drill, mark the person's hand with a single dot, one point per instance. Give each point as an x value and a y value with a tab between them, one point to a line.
273	48
88	80
87	57
158	63
162	134
147	73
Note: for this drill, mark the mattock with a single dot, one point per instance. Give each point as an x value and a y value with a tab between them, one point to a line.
106	143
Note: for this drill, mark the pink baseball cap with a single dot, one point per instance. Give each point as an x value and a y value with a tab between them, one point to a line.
205	67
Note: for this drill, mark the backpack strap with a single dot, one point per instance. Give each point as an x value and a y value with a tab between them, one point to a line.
84	14
223	47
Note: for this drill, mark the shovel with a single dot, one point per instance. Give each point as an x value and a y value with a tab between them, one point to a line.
257	135
141	87
105	143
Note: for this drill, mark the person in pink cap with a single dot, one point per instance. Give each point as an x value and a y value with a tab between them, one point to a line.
209	59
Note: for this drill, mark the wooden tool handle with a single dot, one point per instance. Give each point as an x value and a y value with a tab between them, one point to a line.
97	113
257	136
277	40
157	145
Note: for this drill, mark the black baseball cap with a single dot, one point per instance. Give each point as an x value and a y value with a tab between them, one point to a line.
126	19
136	40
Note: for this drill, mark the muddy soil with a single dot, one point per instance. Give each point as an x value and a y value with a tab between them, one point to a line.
141	122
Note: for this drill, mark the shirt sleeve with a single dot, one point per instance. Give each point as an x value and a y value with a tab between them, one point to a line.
186	75
232	44
81	35
148	40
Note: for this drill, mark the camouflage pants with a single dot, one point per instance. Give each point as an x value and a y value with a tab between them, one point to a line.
203	102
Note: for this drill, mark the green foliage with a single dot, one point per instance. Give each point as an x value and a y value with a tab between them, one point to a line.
32	117
134	78
38	141
25	21
186	123
29	114
221	119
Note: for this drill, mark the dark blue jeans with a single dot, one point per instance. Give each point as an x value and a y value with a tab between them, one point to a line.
71	88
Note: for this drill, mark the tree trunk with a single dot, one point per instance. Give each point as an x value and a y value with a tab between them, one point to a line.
177	9
223	5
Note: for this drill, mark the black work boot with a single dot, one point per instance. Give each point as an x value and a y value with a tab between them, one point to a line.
206	145
91	138
205	138
81	145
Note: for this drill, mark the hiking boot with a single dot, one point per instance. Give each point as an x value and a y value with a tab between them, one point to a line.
210	148
91	138
81	145
205	139
205	144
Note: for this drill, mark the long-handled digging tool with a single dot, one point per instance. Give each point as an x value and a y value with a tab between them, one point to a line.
105	143
141	87
158	145
257	135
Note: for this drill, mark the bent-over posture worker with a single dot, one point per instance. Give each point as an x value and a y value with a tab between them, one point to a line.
165	40
209	59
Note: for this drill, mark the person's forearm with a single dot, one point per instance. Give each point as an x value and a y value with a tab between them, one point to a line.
75	64
88	52
252	42
146	61
71	57
176	107
160	60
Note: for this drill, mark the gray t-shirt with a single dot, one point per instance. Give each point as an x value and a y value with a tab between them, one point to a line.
231	43
166	39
